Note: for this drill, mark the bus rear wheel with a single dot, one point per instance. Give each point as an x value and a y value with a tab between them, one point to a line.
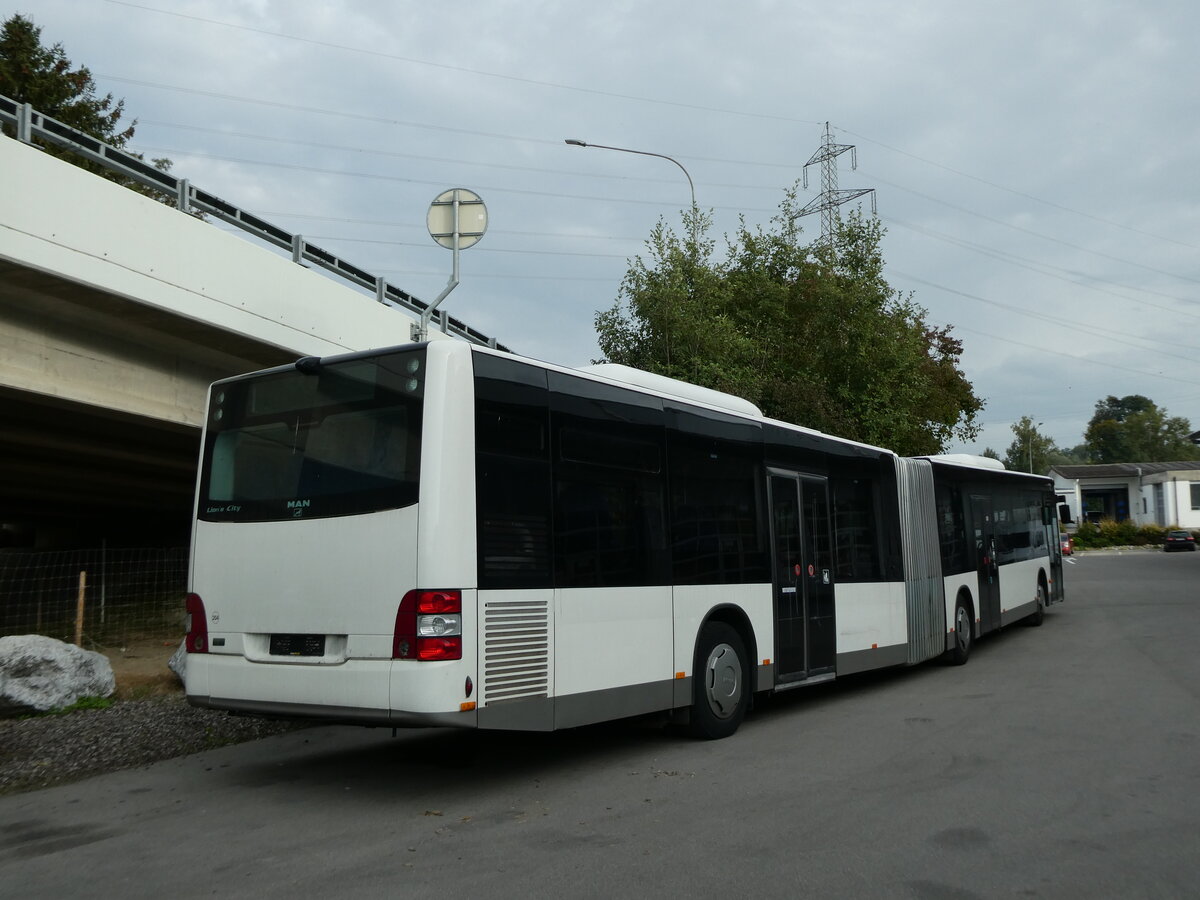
964	625
721	692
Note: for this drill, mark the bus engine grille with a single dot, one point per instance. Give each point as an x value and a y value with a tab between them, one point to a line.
516	650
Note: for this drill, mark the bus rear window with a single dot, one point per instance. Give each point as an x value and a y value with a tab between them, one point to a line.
342	440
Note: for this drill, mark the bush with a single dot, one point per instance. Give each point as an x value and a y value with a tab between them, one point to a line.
1117	534
1092	536
1087	536
1152	535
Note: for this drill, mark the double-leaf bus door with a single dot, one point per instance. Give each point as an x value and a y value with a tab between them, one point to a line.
802	556
984	526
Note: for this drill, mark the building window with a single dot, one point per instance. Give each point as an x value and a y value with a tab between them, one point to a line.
1195	494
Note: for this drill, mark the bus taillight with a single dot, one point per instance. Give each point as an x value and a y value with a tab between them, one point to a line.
428	626
197	625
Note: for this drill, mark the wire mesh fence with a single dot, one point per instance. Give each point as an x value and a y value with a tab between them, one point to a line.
96	598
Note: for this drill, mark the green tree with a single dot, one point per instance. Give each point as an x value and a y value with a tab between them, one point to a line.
1135	429
811	334
1030	450
45	78
1154	436
1120	408
1071	456
1105	437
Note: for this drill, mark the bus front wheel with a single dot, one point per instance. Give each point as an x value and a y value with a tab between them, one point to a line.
721	690
1038	615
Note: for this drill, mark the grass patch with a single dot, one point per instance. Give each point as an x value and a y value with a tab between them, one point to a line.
80	705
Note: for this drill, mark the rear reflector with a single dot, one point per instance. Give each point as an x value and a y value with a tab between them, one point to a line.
439	648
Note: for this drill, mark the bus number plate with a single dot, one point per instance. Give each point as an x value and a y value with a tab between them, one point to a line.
297	645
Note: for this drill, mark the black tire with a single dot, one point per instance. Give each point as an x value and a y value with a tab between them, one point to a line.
720	682
964	633
1039	615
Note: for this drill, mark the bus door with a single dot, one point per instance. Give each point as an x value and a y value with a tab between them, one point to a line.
983	522
802	562
1054	544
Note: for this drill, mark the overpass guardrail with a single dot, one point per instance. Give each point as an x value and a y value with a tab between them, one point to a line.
30	124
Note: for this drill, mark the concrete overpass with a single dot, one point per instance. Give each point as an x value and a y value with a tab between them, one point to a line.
116	312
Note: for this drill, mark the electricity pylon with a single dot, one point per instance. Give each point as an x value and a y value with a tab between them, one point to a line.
830	198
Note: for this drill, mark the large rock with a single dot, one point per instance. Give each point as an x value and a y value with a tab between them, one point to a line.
38	673
178	662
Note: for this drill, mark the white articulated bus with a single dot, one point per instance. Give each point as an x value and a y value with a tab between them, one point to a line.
442	534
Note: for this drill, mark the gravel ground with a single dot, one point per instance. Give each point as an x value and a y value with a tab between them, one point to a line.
41	751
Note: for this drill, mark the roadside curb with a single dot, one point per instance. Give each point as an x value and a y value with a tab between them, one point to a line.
1115	551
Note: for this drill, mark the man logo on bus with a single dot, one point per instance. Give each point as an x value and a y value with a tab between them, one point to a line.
298	506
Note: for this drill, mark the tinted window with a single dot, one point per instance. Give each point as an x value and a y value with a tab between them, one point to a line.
609	517
952	533
341	440
856	536
512	474
1020	534
1007	529
716	488
599	447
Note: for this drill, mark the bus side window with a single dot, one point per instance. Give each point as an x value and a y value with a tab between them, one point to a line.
855	516
609	516
512	478
717	532
952	528
512	475
606	447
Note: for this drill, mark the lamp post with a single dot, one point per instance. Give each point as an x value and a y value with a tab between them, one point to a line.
691	186
574	142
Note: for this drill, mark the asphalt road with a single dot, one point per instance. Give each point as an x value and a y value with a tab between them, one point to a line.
1061	761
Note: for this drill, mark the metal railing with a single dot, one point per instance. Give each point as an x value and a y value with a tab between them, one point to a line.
30	124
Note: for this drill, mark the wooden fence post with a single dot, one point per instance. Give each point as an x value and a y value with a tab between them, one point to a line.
79	608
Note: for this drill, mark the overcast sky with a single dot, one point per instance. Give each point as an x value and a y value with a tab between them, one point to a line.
1034	161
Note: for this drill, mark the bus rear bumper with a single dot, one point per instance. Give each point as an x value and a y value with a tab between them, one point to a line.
338	715
358	691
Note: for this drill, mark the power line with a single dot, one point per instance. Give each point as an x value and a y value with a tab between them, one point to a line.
821	201
387	224
1043	269
576	88
557	195
1058	351
829	194
345	114
1094	330
1023	194
541	170
464	69
481	248
1039	235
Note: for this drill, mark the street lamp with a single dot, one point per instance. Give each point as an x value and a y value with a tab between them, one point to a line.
578	143
1032	432
575	142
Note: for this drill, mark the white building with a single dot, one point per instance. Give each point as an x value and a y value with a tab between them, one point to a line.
1166	493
